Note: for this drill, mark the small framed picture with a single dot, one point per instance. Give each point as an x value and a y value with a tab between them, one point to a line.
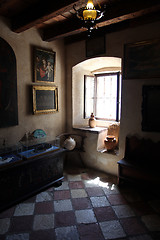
45	99
44	65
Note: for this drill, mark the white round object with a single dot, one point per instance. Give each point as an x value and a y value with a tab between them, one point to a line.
69	143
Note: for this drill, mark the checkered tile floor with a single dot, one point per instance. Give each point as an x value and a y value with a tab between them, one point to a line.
86	206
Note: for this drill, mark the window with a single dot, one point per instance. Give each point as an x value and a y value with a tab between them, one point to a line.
102	96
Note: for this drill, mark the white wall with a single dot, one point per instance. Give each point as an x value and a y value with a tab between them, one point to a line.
131	94
53	124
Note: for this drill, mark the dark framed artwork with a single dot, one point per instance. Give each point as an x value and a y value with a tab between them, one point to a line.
44	65
45	99
151	108
142	60
8	86
95	46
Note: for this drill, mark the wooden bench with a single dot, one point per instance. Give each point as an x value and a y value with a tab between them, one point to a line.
141	163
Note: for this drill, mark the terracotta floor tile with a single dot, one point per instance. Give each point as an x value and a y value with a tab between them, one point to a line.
44	207
116	199
152	222
76	184
65	219
95	191
90	232
43	235
133	226
141	208
61	195
104	214
81	203
21	224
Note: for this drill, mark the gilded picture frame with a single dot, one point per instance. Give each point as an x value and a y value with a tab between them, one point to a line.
142	60
45	99
44	66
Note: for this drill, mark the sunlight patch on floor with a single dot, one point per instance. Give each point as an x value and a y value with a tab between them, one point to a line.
98	182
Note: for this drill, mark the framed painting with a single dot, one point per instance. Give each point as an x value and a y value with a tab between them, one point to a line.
95	46
44	66
45	99
151	108
142	60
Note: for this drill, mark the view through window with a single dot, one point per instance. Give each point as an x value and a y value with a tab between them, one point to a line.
102	96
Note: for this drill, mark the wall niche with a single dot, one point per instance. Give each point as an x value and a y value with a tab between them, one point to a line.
8	86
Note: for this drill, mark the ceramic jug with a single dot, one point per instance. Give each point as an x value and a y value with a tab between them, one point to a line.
69	143
92	121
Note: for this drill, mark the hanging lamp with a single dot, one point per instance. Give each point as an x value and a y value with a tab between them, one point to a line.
89	15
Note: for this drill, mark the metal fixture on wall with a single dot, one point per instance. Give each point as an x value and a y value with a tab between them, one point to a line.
89	15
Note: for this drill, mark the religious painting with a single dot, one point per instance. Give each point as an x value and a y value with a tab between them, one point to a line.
8	86
142	60
45	99
44	66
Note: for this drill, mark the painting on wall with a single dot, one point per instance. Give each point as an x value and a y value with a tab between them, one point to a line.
45	99
8	86
142	60
151	108
95	46
44	65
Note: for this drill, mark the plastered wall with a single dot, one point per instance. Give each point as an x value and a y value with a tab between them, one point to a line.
131	95
22	44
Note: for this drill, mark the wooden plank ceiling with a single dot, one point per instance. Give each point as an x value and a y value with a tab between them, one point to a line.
57	19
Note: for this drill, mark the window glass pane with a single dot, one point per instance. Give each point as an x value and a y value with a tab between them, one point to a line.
106	97
89	95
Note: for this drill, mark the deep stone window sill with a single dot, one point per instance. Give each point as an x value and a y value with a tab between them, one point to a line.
114	152
96	130
101	132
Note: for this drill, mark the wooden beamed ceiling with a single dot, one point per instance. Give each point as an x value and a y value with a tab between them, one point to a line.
57	19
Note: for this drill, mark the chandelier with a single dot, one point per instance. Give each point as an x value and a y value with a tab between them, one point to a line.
89	15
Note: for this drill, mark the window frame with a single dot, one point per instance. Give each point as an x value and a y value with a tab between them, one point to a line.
118	74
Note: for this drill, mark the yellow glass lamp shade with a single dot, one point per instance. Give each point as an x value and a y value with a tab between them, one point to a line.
90	13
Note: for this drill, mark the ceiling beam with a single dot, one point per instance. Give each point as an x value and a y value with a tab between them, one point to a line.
64	29
120	11
119	26
40	12
110	19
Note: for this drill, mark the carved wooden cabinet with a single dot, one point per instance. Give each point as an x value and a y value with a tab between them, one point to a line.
25	178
